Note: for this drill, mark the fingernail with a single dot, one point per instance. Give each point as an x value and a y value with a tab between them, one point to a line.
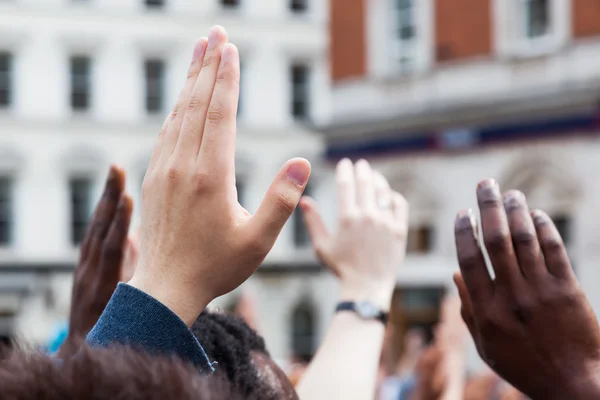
539	217
298	173
465	220
213	35
228	53
487	184
513	200
199	49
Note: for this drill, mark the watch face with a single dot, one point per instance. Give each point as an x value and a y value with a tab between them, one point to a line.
367	310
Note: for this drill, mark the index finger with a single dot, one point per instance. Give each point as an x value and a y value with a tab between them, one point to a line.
346	187
105	211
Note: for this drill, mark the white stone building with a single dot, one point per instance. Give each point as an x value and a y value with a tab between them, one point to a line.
85	83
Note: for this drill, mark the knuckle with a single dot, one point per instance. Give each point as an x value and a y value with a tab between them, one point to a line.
468	261
227	77
370	218
176	111
215	114
285	203
490	202
201	180
524	310
196	103
524	238
174	174
209	60
497	241
489	326
552	244
347	221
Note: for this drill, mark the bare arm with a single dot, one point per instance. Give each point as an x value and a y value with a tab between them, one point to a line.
365	254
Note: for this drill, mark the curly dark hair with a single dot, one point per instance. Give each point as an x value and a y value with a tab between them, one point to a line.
241	355
106	374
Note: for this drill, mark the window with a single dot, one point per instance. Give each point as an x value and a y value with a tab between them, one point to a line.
404	34
301	236
230	3
155	3
6	69
6	210
300	91
80	83
298	6
537	17
419	239
81	201
303	331
155	85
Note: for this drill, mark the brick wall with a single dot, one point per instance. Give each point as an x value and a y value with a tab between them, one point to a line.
586	18
463	29
348	39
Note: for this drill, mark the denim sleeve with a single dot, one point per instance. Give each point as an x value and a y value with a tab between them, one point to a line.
136	319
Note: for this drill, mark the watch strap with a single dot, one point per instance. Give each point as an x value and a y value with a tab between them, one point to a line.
353	306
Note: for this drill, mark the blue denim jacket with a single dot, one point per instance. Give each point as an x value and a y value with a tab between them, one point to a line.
134	318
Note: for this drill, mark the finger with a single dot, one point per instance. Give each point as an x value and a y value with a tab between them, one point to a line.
317	231
552	245
104	213
192	128
365	187
471	261
217	151
400	211
496	235
177	115
316	228
346	188
383	195
131	258
279	202
113	249
524	238
466	309
159	144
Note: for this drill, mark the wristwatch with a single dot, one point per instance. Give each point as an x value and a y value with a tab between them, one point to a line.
364	309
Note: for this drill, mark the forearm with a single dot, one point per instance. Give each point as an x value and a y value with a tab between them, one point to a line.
346	364
455	369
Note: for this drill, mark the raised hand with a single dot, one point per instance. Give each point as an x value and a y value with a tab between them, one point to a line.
532	324
102	251
370	243
197	242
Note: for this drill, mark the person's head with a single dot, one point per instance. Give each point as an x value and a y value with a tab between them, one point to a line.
98	373
241	356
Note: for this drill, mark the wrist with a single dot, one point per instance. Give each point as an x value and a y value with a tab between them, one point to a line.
380	295
186	304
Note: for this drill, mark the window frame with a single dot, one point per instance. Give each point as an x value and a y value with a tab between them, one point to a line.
304	92
80	84
154	87
7	77
77	223
7	222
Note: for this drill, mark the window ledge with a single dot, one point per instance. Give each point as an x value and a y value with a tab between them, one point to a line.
533	48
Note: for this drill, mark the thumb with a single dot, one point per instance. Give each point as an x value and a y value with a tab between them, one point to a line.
280	201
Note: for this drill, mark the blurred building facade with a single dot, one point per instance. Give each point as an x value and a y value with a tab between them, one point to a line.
85	83
440	94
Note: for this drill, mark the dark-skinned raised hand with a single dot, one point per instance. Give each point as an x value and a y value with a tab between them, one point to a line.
532	323
102	252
